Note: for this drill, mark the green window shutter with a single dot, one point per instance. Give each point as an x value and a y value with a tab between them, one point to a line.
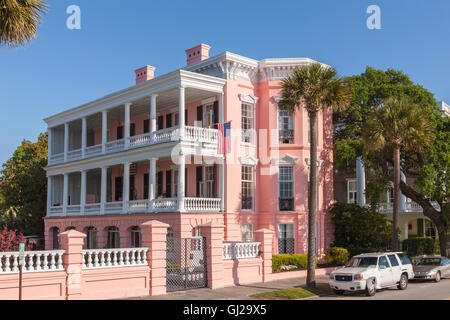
384	197
420	227
345	191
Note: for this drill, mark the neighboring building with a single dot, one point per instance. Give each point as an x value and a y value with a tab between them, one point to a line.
444	108
150	152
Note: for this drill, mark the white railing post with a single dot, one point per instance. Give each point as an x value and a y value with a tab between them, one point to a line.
181	117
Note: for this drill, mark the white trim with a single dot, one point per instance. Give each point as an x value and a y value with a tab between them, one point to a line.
248	161
286	160
208	101
248	98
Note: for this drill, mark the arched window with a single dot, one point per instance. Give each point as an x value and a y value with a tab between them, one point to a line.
55	241
91	242
136	239
113	238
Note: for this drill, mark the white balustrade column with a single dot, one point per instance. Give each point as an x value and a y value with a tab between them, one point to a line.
181	181
152	182
181	118
65	193
361	182
126	186
83	136
127	124
83	192
103	189
153	113
104	130
402	198
49	195
66	140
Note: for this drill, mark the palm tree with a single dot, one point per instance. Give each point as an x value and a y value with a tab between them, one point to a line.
397	123
19	20
315	87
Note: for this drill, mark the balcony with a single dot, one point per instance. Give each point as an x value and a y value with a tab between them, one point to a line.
411	206
195	135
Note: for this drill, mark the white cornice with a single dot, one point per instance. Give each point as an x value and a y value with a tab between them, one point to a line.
285	160
249	98
249	161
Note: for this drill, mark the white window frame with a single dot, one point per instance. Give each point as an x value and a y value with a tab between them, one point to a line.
208	183
290	124
247	232
293	186
248	132
251	188
355	191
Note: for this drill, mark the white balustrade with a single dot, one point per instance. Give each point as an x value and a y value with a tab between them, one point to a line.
240	250
115	145
138	205
93	150
202	204
113	207
199	134
56	158
140	140
34	261
165	135
92	208
74	209
165	204
56	211
111	258
74	154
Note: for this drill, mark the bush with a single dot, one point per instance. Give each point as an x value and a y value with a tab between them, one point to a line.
337	256
298	260
419	246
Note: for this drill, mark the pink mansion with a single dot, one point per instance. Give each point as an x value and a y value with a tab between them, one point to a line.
150	152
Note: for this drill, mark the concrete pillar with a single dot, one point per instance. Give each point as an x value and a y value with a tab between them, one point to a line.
103	189
181	181
265	236
154	237
126	126
151	183
66	140
83	192
181	118
104	130
65	193
153	113
360	182
214	234
83	136
126	186
402	198
72	241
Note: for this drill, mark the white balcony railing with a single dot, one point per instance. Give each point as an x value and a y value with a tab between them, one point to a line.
109	258
200	134
113	207
165	135
138	205
411	206
240	250
140	140
202	204
92	208
56	211
74	154
56	158
73	210
34	261
165	204
93	150
115	145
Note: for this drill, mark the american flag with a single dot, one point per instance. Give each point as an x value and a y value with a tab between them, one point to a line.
224	143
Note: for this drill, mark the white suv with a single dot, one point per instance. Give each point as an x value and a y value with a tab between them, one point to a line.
371	271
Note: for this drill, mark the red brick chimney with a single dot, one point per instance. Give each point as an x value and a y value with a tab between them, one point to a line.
197	53
145	73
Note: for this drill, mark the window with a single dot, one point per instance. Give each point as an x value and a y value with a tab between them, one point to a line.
168	183
247	232
429	229
285	127
160	123
146	178
91	238
132	129
247	187
404	258
146	126
286	188
383	262
118	189
169	120
286	242
132	190
209	116
136	238
351	191
390	195
159	183
119	132
393	260
247	123
113	238
209	182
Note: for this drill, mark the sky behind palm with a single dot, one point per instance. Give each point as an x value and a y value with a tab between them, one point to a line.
65	68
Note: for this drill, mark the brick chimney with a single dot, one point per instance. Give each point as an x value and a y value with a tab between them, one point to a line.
145	73
197	53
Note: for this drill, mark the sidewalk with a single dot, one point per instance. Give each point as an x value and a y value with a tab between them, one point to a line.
241	292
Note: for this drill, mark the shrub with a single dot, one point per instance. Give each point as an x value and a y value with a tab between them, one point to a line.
9	240
419	246
298	260
337	256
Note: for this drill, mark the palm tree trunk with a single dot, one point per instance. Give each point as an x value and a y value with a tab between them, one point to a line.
312	201
395	228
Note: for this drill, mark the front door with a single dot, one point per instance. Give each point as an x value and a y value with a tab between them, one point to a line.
385	271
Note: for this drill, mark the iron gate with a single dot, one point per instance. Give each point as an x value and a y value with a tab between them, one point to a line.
186	263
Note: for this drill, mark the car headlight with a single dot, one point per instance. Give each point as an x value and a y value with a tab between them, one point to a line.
358	277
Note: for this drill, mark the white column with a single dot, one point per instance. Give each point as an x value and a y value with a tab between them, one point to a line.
49	195
406	231
127	124
83	137
83	192
360	182
181	181
402	202
126	186
104	129
181	112
65	193
222	165
50	144
66	140
151	183
103	189
153	113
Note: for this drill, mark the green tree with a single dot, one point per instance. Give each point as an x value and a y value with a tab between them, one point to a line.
397	123
429	169
24	187
314	87
19	20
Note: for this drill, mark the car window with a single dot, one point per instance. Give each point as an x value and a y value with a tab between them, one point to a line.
429	262
404	258
446	261
383	262
362	262
393	260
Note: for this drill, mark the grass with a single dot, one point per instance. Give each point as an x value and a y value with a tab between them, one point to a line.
294	293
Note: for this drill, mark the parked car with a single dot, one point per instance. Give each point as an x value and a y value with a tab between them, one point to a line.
371	271
431	268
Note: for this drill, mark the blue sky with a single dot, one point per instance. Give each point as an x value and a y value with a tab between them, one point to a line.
65	68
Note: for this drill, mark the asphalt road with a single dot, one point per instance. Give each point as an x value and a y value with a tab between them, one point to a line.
417	290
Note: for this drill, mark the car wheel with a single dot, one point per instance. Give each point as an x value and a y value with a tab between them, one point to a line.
438	277
371	288
403	283
338	292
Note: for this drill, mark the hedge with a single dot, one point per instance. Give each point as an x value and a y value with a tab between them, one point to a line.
419	246
337	256
298	260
